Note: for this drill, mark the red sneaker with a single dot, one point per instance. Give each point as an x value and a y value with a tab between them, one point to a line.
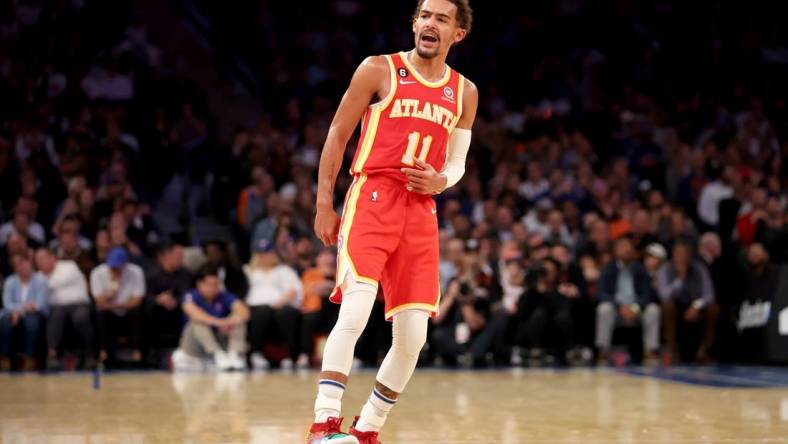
329	432
364	437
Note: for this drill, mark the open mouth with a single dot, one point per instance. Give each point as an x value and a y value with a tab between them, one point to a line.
429	38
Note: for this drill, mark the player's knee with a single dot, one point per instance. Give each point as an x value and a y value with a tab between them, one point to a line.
410	333
411	344
350	325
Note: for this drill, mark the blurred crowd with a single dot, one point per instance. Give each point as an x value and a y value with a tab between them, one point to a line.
608	202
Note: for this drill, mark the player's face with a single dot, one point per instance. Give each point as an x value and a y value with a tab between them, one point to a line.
436	28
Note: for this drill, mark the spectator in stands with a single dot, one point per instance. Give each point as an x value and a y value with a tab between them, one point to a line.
231	276
17	244
654	256
687	295
215	326
544	309
69	246
572	285
23	224
599	244
275	295
118	288
712	194
642	230
141	229
772	230
25	296
69	301
252	199
167	283
463	334
318	315
626	298
759	293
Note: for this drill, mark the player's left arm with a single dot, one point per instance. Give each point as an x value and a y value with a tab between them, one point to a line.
424	179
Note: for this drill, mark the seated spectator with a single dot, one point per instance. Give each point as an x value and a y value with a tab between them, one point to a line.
68	301
573	286
24	225
275	294
69	247
625	298
598	243
215	326
251	200
118	288
24	305
69	223
141	229
317	314
463	332
167	282
231	276
753	313
687	296
17	244
772	231
642	230
654	257
544	308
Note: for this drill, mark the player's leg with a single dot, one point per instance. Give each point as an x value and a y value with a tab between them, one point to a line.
408	336
357	301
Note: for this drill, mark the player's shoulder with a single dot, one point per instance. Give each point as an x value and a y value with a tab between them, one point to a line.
375	63
470	86
470	90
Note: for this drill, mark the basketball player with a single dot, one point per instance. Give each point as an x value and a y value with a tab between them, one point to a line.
415	134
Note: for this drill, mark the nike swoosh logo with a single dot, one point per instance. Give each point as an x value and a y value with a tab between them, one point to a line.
402	82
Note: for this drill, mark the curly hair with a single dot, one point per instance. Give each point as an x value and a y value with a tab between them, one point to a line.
464	13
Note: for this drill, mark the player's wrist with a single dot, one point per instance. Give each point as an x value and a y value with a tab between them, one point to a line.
442	181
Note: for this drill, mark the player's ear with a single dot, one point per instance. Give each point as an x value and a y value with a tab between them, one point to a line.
459	35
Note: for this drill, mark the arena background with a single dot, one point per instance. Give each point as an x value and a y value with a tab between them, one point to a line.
188	133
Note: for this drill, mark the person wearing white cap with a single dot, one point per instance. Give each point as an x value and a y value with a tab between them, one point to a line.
653	258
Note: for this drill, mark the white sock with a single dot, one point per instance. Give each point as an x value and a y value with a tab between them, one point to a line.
329	399
374	412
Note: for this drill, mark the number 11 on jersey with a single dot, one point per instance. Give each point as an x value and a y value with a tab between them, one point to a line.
413	143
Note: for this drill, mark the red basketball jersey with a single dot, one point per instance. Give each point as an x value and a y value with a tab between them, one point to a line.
414	120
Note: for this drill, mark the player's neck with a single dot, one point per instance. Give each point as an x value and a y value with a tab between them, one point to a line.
432	69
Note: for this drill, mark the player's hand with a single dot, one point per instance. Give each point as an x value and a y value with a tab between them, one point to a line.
424	179
327	225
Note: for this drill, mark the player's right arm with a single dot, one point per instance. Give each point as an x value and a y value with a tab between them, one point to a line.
369	80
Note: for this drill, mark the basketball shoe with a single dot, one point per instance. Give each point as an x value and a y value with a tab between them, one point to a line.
329	432
364	437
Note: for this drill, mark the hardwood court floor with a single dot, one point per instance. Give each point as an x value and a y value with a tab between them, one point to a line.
579	406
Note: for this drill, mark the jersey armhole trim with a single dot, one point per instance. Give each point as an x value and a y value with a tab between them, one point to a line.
392	86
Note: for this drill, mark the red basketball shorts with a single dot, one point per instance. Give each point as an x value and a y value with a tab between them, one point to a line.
389	235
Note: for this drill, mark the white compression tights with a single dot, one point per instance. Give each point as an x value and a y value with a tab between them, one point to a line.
408	336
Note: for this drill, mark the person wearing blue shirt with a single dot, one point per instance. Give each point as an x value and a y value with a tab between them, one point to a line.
215	326
25	301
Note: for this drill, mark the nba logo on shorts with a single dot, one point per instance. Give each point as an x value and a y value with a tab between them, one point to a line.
374	196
